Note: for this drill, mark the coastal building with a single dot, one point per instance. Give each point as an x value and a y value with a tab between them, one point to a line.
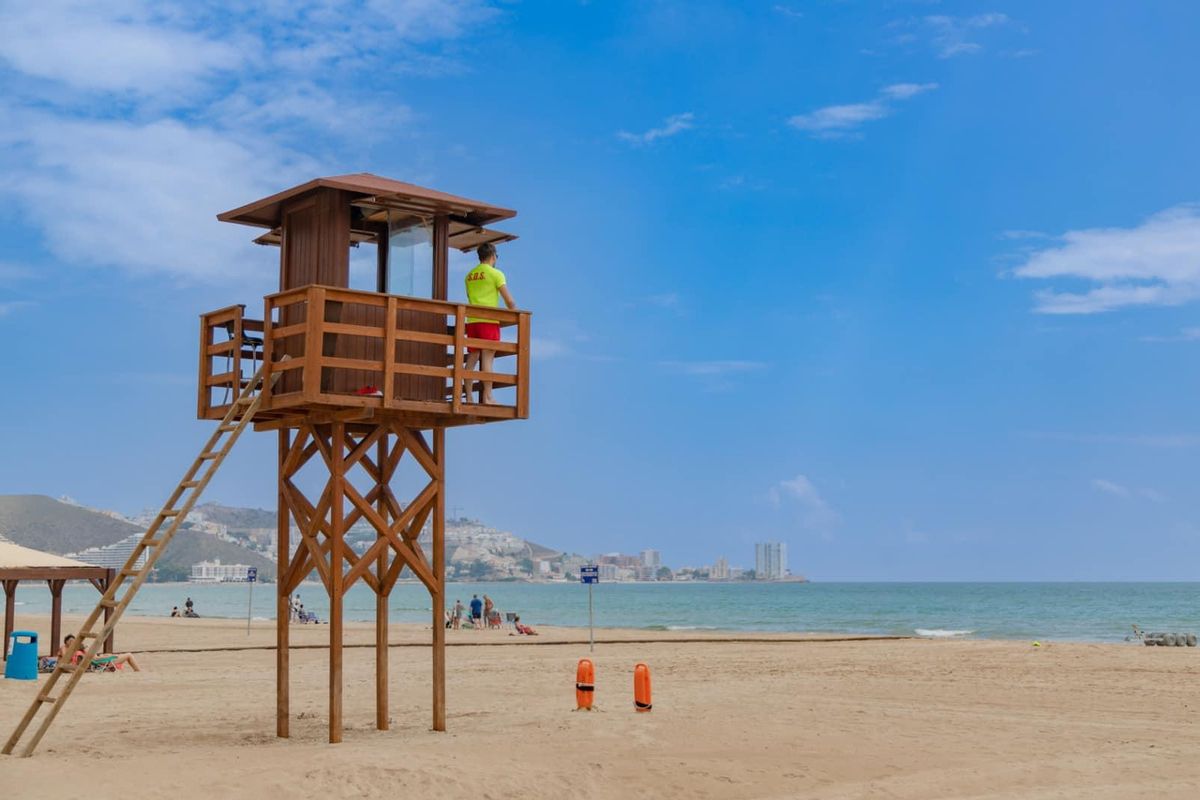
112	556
216	572
720	570
770	561
608	572
652	559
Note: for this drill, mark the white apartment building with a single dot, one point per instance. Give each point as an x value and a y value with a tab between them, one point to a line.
720	570
608	572
770	561
652	559
112	556
216	572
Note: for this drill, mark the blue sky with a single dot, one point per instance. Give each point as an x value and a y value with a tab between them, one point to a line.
909	286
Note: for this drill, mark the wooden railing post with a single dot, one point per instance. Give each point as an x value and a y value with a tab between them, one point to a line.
314	346
456	390
389	352
265	391
523	366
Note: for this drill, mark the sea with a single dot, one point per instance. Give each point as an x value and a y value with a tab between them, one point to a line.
1086	612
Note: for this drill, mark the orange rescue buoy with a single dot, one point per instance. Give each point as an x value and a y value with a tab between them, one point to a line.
641	688
585	684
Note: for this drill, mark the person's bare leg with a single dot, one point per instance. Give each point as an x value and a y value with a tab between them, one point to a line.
485	396
471	363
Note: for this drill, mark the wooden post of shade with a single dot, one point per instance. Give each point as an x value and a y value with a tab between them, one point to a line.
283	592
337	544
439	583
56	588
10	608
381	595
109	645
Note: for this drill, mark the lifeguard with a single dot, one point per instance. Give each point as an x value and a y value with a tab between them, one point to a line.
485	286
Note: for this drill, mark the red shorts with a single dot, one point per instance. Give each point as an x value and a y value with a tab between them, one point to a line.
483	330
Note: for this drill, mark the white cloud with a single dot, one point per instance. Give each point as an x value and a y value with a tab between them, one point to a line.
815	513
952	35
1126	492
712	368
9	306
1184	335
1155	263
130	124
841	120
542	348
672	125
143	197
120	47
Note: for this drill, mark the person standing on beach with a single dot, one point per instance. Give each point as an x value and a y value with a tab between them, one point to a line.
476	611
458	613
488	605
188	606
485	286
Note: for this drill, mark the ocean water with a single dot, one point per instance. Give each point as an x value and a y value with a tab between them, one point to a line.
1099	612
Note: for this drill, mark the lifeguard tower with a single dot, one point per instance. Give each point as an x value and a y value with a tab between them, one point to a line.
352	369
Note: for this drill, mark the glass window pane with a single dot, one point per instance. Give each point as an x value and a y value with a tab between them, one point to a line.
410	258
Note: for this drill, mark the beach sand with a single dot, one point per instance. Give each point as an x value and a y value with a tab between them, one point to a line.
733	718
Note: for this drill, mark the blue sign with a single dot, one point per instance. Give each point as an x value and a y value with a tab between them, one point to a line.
589	574
252	574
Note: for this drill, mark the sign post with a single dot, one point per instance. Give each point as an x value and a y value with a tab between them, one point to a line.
251	577
590	575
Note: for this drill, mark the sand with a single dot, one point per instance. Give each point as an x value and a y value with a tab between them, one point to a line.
733	718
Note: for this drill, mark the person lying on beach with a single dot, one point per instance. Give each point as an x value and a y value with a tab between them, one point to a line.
109	662
524	630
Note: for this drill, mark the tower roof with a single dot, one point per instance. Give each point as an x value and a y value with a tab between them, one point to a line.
376	190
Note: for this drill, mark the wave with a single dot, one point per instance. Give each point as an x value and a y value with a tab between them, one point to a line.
940	633
681	628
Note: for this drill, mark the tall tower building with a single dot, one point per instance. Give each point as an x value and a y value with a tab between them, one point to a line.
770	560
651	558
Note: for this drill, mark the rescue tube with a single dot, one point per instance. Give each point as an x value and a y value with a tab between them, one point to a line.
641	688
585	684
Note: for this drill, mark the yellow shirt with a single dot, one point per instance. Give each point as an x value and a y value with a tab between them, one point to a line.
483	288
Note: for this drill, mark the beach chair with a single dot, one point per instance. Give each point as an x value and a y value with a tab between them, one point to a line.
510	617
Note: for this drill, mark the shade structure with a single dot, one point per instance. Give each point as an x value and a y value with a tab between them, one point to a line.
19	563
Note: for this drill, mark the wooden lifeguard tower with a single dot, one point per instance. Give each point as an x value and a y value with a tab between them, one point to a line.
351	377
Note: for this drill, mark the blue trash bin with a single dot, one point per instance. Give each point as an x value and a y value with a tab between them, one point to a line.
22	658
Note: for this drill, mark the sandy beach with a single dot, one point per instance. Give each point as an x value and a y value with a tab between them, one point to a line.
734	717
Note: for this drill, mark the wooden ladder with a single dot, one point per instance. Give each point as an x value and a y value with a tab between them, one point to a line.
89	639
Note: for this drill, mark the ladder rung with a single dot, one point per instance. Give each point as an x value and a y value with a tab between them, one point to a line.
170	512
244	401
189	484
109	603
129	573
47	699
153	542
87	635
227	428
207	454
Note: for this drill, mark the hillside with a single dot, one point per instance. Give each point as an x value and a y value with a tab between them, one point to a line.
238	519
53	526
43	523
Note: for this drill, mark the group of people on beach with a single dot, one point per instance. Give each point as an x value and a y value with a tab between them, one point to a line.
296	612
483	614
189	610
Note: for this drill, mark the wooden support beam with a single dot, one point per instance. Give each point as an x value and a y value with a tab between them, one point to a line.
438	590
283	599
381	600
338	485
56	588
10	609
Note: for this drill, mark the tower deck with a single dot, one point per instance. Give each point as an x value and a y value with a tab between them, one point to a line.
347	355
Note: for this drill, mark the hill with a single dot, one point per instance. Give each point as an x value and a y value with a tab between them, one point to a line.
53	526
43	523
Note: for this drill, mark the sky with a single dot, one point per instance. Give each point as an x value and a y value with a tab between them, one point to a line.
910	286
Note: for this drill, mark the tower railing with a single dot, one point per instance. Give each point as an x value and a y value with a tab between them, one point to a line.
351	348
